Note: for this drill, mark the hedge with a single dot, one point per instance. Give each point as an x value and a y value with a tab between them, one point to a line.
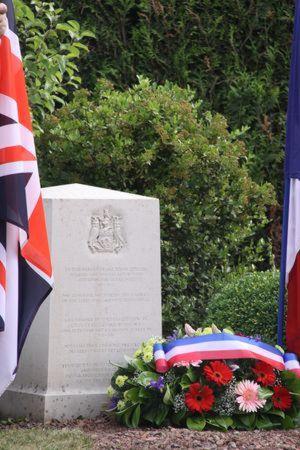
235	54
158	141
248	303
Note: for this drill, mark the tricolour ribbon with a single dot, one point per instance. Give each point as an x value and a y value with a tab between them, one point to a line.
220	346
291	363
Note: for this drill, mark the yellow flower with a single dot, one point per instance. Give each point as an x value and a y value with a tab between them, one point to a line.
198	332
228	331
120	380
151	342
110	391
207	330
138	352
148	356
154	340
280	349
121	405
148	348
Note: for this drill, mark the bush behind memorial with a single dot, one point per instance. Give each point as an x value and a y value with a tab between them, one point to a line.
158	141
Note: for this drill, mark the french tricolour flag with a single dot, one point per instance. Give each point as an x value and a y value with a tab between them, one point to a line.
25	265
290	256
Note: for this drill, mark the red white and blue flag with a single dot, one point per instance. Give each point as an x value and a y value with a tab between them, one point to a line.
25	264
290	254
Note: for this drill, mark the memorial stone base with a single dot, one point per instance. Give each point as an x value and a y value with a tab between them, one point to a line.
105	249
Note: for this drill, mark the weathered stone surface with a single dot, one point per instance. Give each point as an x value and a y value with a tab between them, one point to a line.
106	255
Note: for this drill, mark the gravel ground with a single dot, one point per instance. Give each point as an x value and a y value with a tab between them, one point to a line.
184	439
106	434
111	436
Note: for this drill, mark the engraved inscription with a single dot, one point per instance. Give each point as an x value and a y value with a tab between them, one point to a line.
105	312
106	234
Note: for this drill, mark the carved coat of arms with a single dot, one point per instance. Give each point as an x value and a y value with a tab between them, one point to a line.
106	233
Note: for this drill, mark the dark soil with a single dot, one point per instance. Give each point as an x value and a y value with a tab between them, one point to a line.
106	434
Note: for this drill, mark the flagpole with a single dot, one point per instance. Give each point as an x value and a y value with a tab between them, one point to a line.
281	300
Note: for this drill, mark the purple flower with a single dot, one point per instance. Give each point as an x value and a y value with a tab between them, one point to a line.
173	336
256	337
159	384
113	403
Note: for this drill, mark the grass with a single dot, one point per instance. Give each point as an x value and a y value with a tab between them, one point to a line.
44	439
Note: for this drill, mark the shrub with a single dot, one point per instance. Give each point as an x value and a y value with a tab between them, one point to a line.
156	141
50	49
247	303
236	54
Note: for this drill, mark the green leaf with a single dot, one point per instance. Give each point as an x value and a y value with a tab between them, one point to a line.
87	33
185	381
124	411
288	423
297	419
291	381
74	24
196	423
226	421
136	416
248	420
64	27
150	415
161	414
178	417
132	394
263	422
136	363
145	394
168	398
277	412
80	45
265	393
191	374
144	378
127	416
140	365
220	422
268	405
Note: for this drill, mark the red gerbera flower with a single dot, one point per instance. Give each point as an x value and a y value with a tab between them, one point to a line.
218	372
281	398
265	374
199	398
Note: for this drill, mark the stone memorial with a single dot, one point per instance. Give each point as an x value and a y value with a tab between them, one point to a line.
105	249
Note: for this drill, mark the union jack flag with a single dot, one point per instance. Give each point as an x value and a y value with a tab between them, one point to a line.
25	264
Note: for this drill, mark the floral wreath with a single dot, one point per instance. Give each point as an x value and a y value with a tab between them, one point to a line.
207	378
